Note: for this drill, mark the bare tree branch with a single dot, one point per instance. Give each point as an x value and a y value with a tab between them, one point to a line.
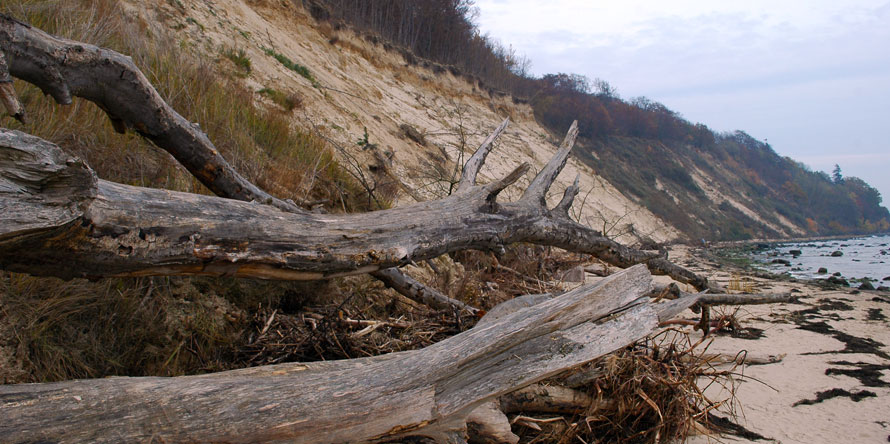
406	285
537	190
472	167
7	93
65	69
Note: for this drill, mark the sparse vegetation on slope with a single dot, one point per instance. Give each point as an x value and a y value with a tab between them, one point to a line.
260	144
650	153
645	149
291	65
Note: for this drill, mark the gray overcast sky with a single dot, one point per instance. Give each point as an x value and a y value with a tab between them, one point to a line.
812	77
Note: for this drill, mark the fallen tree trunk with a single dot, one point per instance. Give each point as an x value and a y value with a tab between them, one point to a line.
706	301
94	228
672	291
428	392
64	68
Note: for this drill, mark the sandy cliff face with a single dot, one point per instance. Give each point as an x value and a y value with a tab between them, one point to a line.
362	85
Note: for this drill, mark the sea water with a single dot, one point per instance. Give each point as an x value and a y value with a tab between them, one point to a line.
860	257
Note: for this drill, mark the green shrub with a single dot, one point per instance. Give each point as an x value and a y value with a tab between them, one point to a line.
239	58
293	66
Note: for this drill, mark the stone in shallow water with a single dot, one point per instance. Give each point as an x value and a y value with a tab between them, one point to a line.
837	281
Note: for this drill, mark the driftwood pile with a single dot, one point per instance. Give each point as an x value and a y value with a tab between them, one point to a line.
58	219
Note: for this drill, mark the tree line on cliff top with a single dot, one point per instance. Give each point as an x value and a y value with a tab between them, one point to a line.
644	148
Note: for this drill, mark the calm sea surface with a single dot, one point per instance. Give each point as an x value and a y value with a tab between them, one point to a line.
863	257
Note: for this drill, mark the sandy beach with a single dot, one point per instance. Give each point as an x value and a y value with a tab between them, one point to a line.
831	381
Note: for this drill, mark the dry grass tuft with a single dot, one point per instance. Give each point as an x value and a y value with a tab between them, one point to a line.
79	329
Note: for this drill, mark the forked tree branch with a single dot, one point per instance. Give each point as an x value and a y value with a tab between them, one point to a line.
7	93
474	164
537	190
106	229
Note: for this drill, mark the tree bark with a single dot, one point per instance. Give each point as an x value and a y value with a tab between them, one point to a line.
94	228
743	299
428	392
65	69
417	291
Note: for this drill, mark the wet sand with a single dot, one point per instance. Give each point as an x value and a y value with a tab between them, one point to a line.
833	383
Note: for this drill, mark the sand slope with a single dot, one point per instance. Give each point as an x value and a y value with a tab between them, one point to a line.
366	86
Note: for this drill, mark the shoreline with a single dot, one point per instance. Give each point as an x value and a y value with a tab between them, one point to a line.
827	373
837	260
791	240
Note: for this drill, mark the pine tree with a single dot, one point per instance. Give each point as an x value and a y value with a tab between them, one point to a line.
836	175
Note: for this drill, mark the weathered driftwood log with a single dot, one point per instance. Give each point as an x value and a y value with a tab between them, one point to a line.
672	291
743	299
489	423
706	301
131	102
65	69
428	392
103	229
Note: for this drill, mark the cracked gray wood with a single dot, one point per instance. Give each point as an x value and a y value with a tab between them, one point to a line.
428	392
108	229
417	291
